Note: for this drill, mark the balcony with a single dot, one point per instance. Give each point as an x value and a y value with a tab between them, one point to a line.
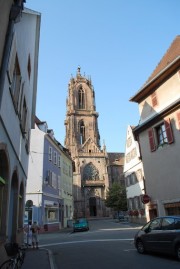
93	183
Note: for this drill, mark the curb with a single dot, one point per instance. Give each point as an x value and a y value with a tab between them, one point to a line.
51	260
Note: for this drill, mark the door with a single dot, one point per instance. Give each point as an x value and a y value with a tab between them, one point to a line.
92	206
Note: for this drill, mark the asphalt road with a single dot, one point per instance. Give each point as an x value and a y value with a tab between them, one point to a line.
108	244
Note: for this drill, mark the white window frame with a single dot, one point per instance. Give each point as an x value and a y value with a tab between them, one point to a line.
55	157
50	153
59	161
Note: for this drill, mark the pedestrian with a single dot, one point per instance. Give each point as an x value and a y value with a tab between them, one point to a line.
35	231
29	234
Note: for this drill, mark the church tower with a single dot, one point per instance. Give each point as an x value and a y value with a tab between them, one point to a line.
90	176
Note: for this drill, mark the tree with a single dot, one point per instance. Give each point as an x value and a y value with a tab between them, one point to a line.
116	197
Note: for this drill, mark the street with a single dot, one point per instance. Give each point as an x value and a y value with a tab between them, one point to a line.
108	244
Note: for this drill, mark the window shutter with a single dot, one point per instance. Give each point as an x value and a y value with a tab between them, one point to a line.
12	57
151	140
169	133
154	99
178	120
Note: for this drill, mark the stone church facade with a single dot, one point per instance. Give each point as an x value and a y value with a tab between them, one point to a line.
90	176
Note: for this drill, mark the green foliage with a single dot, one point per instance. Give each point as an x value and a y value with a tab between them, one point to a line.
116	197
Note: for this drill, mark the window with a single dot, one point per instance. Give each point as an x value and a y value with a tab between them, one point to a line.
51	215
54	180
50	154
81	98
21	99
137	202
133	178
16	83
168	224
24	116
82	132
130	206
127	181
160	135
177	224
12	58
70	170
139	175
66	212
155	225
29	66
55	157
59	161
129	142
90	172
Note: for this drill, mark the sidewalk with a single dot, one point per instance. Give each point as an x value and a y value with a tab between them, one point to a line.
38	258
41	258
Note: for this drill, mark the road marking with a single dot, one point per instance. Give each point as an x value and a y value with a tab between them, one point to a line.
86	241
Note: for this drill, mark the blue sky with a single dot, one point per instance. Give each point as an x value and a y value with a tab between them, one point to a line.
117	43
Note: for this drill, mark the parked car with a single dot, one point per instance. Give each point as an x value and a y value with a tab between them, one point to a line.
81	224
161	234
121	216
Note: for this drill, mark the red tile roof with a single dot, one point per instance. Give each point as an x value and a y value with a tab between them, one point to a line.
172	53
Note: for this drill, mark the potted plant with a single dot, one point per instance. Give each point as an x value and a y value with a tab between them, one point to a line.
136	213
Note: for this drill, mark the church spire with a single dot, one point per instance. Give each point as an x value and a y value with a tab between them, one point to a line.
78	71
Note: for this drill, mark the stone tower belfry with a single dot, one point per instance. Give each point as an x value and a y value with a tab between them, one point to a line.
90	177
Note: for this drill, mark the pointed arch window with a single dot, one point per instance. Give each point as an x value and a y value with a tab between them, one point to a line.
90	172
82	132
81	98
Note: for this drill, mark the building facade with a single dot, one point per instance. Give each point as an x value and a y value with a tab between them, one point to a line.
18	87
66	188
48	180
134	179
90	176
158	133
115	168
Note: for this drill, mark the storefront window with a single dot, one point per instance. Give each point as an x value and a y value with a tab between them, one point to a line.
51	215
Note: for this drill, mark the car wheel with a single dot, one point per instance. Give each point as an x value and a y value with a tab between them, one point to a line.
178	252
140	247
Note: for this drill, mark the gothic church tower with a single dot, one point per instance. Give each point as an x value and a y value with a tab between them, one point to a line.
90	177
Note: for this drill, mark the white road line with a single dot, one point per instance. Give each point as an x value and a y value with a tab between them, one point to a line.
85	241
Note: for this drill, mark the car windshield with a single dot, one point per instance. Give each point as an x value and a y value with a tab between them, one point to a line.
80	220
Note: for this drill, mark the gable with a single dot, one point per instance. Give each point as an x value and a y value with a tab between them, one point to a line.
90	146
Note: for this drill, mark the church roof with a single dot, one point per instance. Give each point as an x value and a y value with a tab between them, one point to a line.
115	158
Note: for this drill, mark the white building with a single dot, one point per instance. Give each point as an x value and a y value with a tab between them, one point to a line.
134	179
18	87
158	133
